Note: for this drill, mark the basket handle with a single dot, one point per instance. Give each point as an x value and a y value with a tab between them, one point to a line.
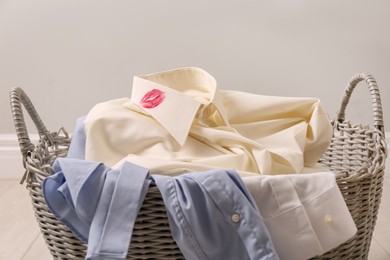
18	98
375	99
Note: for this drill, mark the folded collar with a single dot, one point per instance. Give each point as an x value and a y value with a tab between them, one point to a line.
174	98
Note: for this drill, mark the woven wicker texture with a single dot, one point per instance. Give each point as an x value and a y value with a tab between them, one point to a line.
357	155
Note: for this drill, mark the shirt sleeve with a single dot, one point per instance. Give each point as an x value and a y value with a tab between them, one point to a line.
212	216
97	203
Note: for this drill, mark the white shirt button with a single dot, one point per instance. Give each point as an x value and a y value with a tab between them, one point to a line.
328	219
235	217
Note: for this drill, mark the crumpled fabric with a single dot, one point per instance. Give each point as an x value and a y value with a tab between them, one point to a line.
100	205
177	121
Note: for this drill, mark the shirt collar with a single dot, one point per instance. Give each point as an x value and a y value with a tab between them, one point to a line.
175	97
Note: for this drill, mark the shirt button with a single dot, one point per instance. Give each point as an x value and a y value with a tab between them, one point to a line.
328	219
235	217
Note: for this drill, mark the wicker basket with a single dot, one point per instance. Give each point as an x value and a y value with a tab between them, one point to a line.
357	155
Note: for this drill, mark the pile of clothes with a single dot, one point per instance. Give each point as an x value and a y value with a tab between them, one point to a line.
237	171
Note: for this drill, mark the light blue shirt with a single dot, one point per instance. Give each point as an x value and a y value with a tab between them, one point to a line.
211	214
99	204
77	145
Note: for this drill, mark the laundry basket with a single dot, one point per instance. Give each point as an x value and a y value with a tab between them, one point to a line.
357	156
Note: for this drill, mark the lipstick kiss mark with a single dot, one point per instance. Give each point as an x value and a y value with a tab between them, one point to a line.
152	98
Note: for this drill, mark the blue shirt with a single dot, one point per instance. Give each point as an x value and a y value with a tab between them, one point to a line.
211	214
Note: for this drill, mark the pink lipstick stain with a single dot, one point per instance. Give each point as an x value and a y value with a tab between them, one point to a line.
152	98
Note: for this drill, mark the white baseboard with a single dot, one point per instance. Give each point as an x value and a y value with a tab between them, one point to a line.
11	164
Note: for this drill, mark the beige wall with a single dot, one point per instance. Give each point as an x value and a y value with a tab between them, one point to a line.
70	54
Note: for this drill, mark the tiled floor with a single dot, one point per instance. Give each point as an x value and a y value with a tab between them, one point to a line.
20	237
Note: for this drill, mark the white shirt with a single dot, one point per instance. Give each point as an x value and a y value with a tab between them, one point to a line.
305	214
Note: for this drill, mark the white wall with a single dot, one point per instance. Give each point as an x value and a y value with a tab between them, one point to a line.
69	55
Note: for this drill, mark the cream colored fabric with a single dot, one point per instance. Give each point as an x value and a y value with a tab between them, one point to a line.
178	121
305	214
